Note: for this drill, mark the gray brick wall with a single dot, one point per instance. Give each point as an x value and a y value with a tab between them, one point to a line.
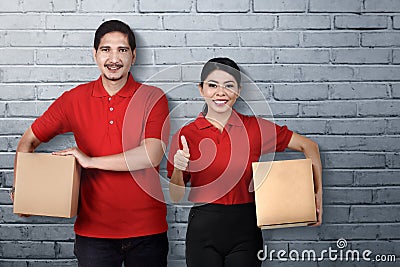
329	69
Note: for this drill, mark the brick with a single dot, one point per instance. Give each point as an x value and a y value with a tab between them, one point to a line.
337	178
36	5
358	143
280	6
191	73
347	196
59	142
17	92
121	6
290	22
7	160
64	56
64	250
395	90
222	6
396	56
381	6
177	231
380	39
378	108
361	56
335	6
11	56
58	22
380	247
3	144
7	216
53	262
10	6
2	109
34	38
27	249
50	74
396	22
360	22
8	178
75	38
27	109
64	6
393	160
349	160
379	73
300	91
304	126
357	231
144	56
274	73
269	39
327	73
282	110
357	91
381	213
388	231
389	195
159	39
246	22
330	39
212	39
250	55
49	92
302	56
336	214
356	126
165	6
148	74
177	249
190	22
377	177
37	232
393	126
14	126
191	55
21	22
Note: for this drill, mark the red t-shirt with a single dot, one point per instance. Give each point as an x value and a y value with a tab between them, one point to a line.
219	169
113	204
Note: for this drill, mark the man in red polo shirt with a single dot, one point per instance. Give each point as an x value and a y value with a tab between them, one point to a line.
121	129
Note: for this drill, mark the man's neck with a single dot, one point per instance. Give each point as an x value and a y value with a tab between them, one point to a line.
113	87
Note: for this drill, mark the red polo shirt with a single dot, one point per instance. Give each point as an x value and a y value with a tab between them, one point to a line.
112	204
220	162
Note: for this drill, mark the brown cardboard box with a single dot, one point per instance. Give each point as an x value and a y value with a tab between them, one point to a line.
284	193
46	185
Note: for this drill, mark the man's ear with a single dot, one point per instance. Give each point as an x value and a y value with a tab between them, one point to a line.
133	56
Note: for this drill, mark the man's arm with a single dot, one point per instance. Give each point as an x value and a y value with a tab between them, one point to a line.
311	151
28	143
149	154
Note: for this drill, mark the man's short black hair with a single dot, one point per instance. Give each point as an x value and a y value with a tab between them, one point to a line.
114	26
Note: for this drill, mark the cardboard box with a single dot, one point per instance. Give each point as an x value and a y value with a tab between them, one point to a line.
46	185
284	193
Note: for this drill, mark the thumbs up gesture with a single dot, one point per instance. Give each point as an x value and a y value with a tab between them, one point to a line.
181	158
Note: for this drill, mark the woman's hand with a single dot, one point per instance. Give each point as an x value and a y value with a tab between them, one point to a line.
181	158
82	158
318	205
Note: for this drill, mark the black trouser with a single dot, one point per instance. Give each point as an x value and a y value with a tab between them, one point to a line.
146	251
223	235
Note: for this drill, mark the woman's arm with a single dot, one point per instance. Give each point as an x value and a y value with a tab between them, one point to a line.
311	151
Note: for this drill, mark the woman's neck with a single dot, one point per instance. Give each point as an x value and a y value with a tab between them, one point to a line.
219	120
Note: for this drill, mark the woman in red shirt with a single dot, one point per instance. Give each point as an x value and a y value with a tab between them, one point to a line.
215	153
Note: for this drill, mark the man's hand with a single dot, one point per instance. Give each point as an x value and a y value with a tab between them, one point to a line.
181	158
82	158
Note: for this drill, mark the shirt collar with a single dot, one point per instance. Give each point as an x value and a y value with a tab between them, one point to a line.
235	120
126	91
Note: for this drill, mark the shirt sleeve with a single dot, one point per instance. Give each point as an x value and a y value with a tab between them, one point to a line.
273	137
157	122
175	146
54	120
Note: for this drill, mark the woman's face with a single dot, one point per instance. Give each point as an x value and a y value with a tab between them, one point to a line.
220	91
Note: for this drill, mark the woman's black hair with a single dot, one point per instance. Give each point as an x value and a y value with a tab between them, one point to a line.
221	63
114	26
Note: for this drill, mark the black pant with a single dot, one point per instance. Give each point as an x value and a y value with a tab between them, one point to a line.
146	251
223	235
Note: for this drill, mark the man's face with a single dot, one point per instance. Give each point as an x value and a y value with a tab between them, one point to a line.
114	56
